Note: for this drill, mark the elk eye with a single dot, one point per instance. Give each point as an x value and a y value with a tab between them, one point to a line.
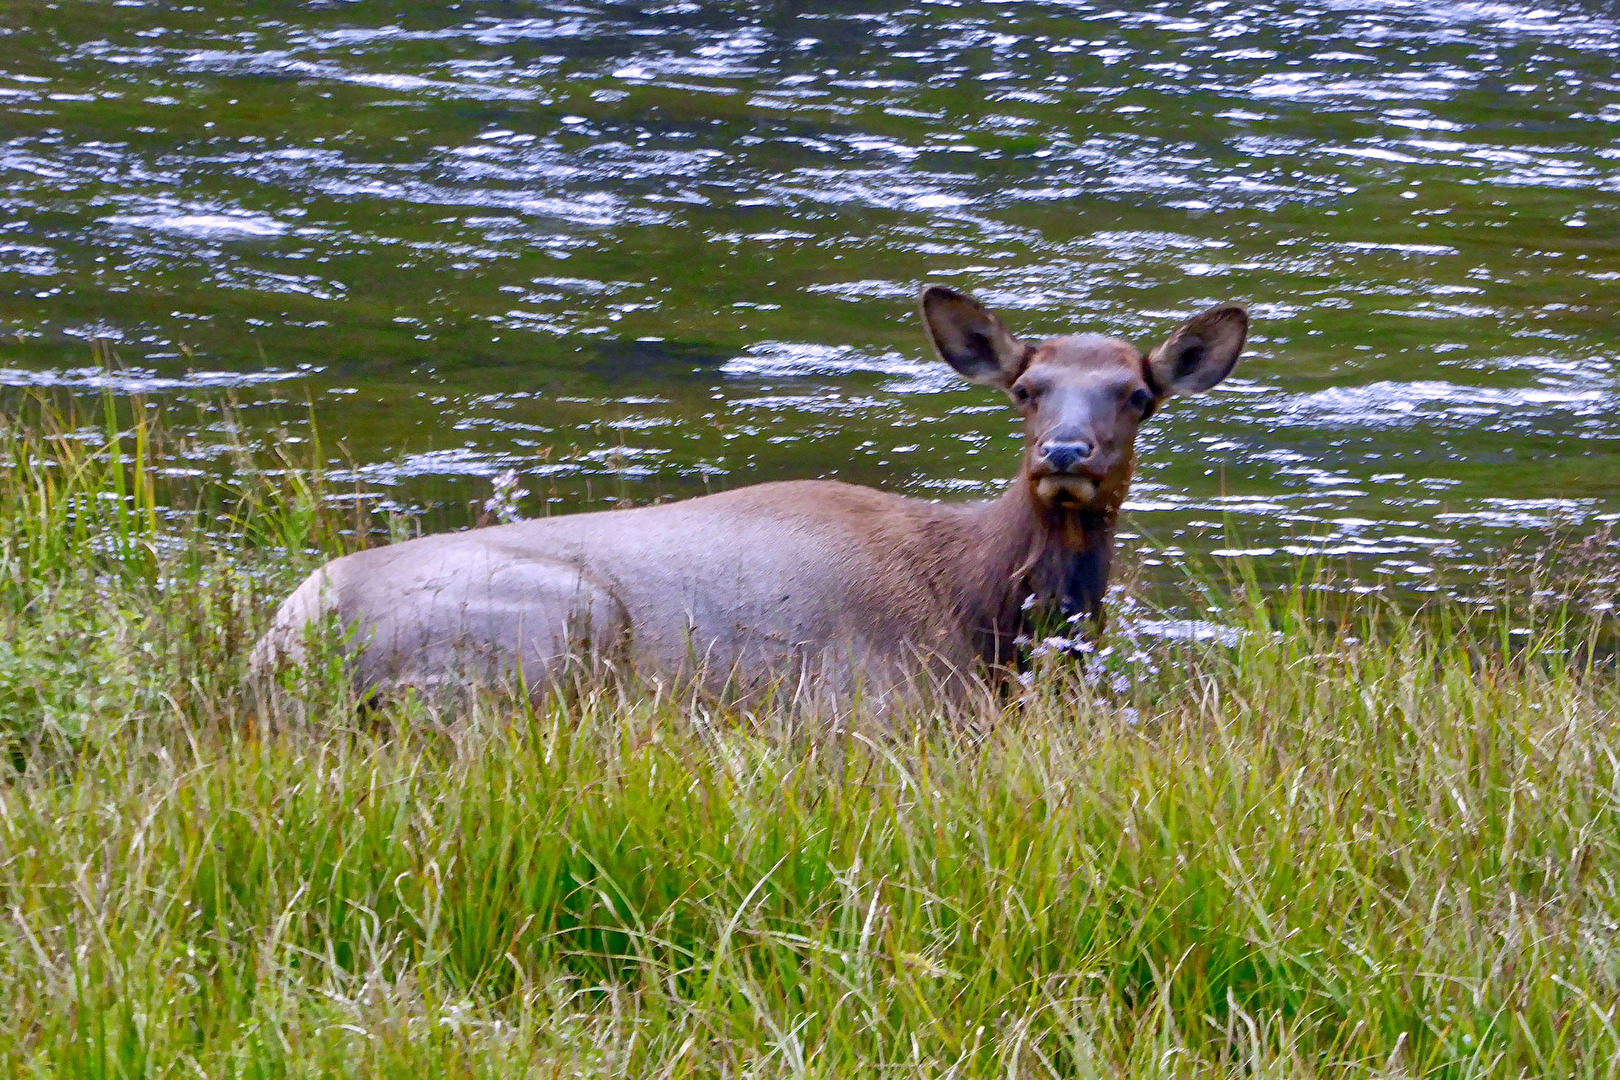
1140	400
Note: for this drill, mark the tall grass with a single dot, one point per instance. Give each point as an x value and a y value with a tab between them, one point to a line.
1372	845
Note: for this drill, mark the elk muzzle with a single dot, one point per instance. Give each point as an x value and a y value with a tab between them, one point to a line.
1068	472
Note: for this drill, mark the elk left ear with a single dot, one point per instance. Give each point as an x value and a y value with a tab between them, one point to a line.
1200	352
968	336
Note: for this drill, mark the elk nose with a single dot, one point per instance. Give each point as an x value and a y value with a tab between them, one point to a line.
1064	456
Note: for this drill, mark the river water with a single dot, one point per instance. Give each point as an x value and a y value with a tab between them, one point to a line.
642	251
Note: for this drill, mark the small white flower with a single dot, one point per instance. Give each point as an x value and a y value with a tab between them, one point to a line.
503	503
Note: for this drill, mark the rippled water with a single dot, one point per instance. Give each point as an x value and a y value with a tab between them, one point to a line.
637	252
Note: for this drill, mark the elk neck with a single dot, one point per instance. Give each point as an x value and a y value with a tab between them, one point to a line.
1014	548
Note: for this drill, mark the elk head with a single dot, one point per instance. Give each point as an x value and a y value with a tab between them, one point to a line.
1083	396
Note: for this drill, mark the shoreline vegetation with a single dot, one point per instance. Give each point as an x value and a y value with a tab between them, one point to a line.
1345	839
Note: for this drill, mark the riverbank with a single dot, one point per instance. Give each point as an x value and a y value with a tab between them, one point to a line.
1339	838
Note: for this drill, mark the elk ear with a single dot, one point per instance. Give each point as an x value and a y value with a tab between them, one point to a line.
1200	352
969	337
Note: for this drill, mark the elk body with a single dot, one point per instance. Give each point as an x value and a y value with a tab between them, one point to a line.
833	584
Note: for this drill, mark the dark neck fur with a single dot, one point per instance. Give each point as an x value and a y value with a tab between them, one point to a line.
1022	550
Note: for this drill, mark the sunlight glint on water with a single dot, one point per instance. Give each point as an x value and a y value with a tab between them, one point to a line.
639	253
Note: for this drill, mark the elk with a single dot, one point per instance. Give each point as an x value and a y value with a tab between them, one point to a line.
832	584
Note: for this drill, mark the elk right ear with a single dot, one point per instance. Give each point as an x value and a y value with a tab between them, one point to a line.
969	337
1200	352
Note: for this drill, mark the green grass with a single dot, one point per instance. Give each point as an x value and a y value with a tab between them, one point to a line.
1357	842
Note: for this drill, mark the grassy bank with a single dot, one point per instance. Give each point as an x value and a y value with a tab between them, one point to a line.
1384	845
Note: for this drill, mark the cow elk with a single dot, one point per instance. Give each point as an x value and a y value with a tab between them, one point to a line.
816	582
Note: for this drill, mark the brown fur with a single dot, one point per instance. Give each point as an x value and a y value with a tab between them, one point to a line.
1050	537
845	585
